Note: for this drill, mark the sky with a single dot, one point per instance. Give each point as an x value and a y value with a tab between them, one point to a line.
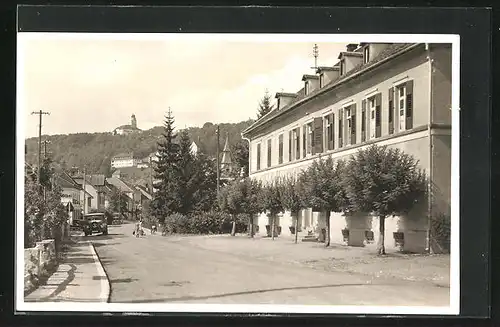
95	84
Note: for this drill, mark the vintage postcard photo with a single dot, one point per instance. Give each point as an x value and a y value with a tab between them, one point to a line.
248	173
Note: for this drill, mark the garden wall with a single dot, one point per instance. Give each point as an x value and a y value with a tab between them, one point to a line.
39	263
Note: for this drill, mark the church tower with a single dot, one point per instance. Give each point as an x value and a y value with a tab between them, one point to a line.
133	121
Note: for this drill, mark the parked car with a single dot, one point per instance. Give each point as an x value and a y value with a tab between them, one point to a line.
95	223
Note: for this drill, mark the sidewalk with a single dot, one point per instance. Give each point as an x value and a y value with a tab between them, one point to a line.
79	278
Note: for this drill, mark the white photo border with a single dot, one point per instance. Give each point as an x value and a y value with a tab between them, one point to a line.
452	309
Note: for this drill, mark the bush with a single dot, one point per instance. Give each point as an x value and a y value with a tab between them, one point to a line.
177	224
441	232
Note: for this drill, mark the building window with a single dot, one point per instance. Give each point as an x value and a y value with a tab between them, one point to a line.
258	156
321	80
342	67
310	138
290	146
391	110
402	107
341	143
306	88
329	124
304	141
363	122
280	149
366	54
372	110
269	143
278	104
297	143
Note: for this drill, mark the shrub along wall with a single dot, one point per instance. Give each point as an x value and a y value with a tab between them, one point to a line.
202	223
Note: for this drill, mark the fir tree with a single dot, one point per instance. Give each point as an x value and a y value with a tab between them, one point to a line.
166	198
187	181
265	105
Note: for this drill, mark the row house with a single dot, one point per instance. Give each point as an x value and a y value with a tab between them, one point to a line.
394	94
73	196
97	186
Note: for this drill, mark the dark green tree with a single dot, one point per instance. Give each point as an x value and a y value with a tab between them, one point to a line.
385	182
323	189
240	155
291	199
241	196
118	201
166	199
205	177
270	198
187	177
265	105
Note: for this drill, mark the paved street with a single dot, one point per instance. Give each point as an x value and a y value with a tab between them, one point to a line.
167	269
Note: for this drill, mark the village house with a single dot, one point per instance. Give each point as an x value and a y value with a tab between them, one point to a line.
73	195
123	160
394	94
96	185
132	195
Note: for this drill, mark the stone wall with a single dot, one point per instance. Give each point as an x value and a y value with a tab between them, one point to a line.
39	262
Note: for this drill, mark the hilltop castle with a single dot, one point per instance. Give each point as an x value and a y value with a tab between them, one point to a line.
127	129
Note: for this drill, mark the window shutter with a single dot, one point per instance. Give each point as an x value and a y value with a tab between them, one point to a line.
364	121
340	128
332	136
353	124
409	105
378	128
318	135
391	110
304	141
297	143
290	136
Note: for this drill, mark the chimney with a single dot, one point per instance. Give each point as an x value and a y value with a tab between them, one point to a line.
284	99
351	47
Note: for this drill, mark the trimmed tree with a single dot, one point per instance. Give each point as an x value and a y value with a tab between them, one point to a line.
385	182
323	189
241	196
265	105
270	198
291	199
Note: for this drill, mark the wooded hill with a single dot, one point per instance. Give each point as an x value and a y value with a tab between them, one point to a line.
95	150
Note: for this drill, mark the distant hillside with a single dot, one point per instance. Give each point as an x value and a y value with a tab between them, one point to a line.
95	150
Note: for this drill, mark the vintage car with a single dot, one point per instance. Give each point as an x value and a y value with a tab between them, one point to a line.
95	223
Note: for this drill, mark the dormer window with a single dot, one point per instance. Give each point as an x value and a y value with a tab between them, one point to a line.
321	80
366	54
278	104
306	87
342	67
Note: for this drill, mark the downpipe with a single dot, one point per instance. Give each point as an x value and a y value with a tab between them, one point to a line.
429	130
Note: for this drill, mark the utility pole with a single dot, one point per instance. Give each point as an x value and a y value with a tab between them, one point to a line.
40	113
84	191
151	173
218	165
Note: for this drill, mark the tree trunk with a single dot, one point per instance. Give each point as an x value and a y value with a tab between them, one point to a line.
233	230
296	226
380	245
251	225
327	236
272	225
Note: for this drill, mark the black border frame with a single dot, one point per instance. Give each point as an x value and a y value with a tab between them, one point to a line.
472	24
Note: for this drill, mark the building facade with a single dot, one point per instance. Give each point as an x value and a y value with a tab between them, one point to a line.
124	160
127	129
397	95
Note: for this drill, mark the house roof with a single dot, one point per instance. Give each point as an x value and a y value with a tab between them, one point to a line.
389	52
124	155
120	184
144	192
321	69
306	76
284	94
350	54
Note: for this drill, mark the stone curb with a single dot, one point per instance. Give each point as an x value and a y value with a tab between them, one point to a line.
105	284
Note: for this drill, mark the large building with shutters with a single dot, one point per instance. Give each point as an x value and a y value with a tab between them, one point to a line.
394	94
